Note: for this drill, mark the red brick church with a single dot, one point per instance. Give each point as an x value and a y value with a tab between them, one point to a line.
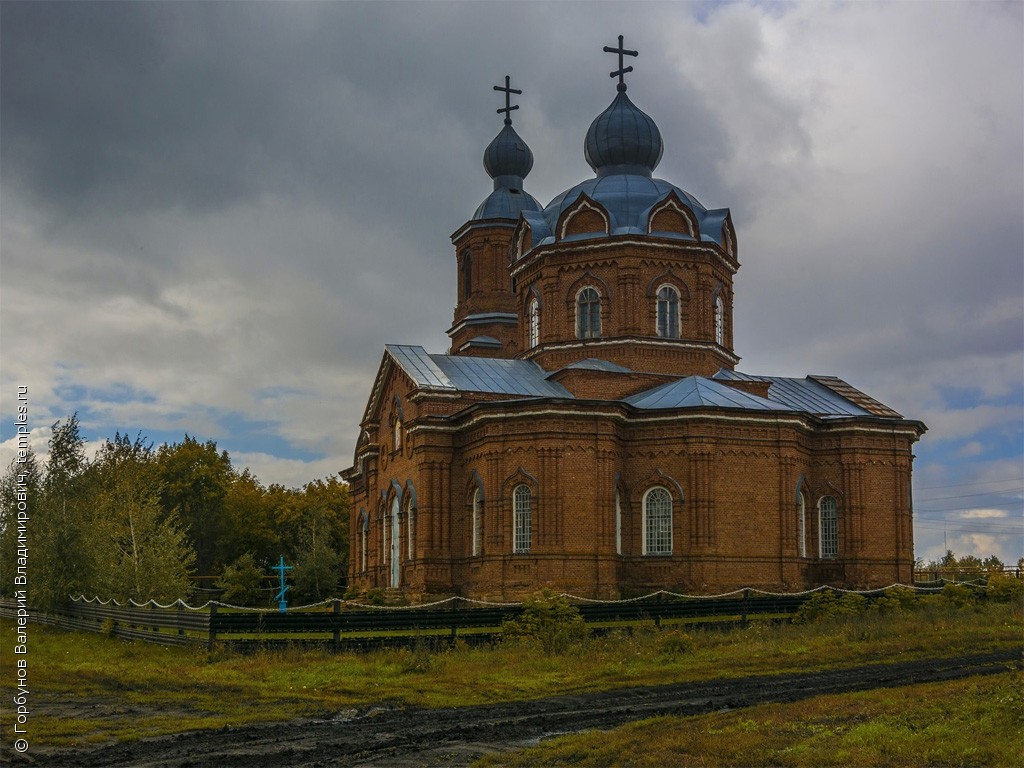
588	429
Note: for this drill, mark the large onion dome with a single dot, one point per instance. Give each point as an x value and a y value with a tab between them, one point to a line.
623	139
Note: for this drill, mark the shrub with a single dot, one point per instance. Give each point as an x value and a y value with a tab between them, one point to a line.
828	605
550	620
895	600
959	595
1004	588
242	581
675	643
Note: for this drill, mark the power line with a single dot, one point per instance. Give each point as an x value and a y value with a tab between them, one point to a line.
974	495
964	485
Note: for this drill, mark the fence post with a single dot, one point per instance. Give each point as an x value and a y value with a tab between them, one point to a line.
746	602
455	606
212	629
337	625
181	613
657	612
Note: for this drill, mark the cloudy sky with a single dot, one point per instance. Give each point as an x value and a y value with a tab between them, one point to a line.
214	215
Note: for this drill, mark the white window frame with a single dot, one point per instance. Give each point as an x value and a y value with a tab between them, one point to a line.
588	313
719	311
522	518
666	320
533	317
828	528
657	535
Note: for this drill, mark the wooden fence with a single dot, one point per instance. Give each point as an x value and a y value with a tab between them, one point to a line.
351	626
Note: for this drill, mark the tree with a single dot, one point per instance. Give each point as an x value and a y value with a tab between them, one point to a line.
321	554
138	551
195	479
60	562
242	582
20	485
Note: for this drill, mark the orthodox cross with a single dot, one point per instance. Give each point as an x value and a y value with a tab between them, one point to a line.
621	70
508	100
282	602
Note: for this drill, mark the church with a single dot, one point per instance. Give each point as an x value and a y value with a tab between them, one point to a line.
588	429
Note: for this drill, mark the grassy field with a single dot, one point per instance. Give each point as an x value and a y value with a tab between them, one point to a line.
89	688
974	722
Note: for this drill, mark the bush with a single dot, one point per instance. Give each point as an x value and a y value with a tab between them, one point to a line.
242	582
829	605
896	600
1004	588
675	643
959	595
550	620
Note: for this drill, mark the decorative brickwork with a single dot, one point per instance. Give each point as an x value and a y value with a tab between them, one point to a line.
589	432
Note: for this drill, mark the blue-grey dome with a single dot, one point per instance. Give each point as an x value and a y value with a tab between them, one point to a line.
623	139
507	160
508	155
506	203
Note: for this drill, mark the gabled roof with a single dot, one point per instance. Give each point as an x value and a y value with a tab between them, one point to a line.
697	392
475	374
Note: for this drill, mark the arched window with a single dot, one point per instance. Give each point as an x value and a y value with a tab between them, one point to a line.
801	524
657	522
363	540
396	543
534	323
719	320
828	527
398	434
410	518
668	312
618	522
588	314
521	518
478	511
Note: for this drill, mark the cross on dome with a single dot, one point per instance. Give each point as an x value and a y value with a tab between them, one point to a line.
621	70
508	99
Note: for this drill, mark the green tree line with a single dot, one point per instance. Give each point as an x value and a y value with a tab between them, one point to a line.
142	522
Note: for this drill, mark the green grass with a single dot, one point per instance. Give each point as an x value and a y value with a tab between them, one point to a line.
90	687
978	721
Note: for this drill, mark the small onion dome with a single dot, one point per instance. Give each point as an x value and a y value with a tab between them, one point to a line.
508	155
623	139
507	160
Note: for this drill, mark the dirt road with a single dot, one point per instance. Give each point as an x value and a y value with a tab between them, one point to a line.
406	737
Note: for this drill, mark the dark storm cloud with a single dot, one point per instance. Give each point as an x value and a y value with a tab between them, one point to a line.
228	208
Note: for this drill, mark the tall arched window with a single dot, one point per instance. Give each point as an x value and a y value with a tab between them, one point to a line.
534	323
828	527
719	320
363	541
478	512
668	312
801	524
657	522
521	518
398	433
588	314
396	543
618	522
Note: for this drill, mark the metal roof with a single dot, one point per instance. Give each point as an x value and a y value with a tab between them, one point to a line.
475	374
697	392
801	394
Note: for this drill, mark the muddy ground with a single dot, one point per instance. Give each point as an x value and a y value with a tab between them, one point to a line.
405	737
